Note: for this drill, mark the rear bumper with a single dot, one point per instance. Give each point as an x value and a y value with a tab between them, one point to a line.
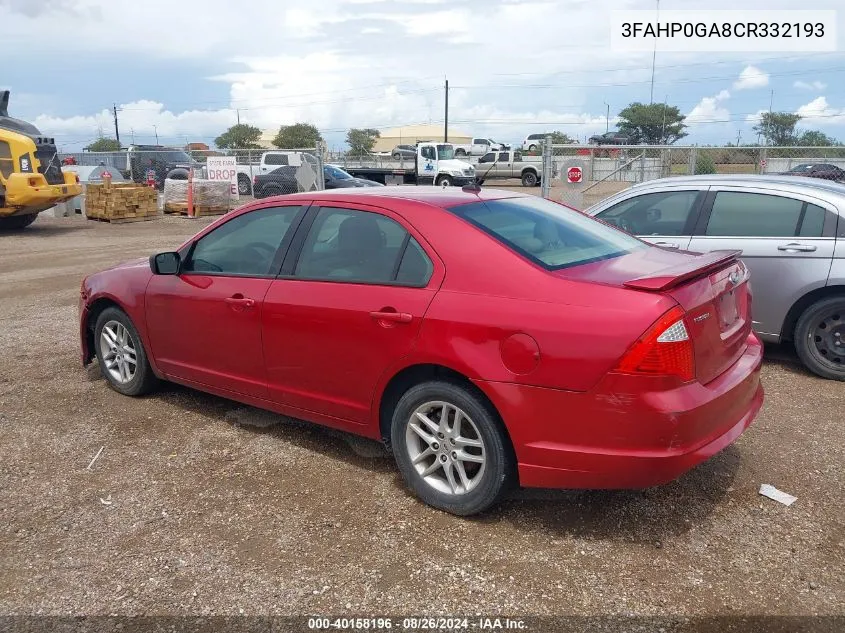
615	438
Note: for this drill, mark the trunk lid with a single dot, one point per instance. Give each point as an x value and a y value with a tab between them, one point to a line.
712	289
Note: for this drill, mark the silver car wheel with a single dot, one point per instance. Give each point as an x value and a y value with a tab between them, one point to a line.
118	349
445	447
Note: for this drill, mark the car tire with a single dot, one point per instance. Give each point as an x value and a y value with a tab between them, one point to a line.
444	181
17	222
817	332
397	156
532	148
529	179
460	152
488	471
120	374
244	186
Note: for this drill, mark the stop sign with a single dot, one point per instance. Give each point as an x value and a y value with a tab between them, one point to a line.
574	174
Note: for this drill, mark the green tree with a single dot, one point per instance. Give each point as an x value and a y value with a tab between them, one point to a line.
559	138
240	136
361	141
778	128
104	144
704	163
815	138
297	136
655	123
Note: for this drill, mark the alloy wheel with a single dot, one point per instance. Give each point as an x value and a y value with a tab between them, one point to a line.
445	447
119	354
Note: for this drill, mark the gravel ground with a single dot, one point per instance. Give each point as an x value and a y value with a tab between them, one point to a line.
198	505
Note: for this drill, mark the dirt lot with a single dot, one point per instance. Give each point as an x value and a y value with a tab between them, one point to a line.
199	505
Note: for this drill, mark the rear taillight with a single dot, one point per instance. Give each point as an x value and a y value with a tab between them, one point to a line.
664	350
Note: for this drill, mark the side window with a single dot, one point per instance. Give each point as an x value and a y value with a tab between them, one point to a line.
415	268
245	245
663	213
504	158
812	224
428	152
7	165
487	158
353	246
276	159
756	215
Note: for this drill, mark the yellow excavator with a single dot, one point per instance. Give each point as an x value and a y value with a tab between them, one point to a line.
31	178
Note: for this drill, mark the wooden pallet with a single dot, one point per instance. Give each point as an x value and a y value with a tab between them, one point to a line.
180	208
125	220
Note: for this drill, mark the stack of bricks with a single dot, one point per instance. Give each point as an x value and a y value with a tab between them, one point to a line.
120	202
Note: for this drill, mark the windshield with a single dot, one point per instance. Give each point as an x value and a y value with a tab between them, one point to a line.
445	152
336	173
547	233
176	157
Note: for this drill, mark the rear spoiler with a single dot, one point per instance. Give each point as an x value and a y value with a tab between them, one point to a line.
676	275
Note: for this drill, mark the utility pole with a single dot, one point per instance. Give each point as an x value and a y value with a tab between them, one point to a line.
239	116
738	136
132	132
155	129
654	56
607	118
663	130
116	130
446	116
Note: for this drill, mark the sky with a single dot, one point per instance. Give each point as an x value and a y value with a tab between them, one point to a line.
185	71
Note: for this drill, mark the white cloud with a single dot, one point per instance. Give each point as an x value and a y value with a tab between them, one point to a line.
345	63
812	85
819	111
756	117
709	110
751	77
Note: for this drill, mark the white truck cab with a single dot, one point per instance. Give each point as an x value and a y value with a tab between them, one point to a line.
436	164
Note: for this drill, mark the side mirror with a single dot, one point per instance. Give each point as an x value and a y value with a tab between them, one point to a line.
166	263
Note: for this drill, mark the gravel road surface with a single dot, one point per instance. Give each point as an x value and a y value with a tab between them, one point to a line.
199	505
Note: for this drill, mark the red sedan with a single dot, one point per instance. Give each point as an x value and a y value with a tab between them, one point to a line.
490	339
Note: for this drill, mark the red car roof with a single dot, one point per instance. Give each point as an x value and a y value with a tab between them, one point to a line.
437	196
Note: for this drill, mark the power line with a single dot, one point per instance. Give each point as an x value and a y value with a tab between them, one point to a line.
833	69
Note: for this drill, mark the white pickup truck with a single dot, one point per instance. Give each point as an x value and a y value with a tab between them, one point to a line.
269	161
479	147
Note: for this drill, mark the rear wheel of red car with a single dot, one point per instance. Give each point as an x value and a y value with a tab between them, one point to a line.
451	448
820	338
121	355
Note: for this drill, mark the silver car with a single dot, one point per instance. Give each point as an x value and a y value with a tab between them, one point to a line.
792	236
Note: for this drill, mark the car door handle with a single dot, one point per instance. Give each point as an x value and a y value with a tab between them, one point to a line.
797	248
667	244
240	301
392	316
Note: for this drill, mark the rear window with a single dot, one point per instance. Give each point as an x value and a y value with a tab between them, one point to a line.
547	233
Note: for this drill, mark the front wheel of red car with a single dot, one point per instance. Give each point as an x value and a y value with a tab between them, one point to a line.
121	355
451	448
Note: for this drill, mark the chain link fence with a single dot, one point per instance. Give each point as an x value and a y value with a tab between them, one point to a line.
260	173
585	174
